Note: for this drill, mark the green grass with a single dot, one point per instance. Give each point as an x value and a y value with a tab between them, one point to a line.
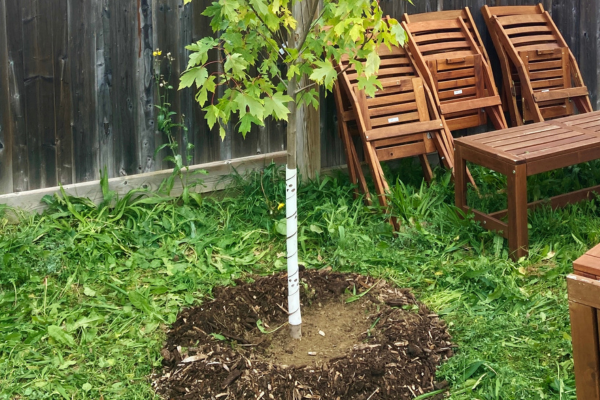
86	292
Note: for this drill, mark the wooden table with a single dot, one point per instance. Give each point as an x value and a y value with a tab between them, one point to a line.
521	152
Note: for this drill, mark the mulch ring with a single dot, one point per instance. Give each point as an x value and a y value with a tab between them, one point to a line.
363	339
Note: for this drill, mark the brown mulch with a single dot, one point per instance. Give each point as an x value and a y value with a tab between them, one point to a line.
383	345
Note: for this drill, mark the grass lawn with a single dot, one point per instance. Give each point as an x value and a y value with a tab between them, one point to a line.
87	292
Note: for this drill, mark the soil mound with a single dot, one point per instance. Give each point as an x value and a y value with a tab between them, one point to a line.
362	340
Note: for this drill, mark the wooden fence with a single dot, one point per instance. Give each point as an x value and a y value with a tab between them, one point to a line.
77	93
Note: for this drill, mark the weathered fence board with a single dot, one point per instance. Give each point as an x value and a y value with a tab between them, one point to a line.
77	92
6	179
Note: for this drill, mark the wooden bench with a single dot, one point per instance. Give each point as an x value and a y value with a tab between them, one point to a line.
584	307
521	152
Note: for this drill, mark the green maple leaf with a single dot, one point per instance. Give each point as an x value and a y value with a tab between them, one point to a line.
277	106
200	50
369	85
246	123
236	64
398	31
356	32
260	6
308	98
209	86
229	10
372	64
251	105
196	74
212	114
202	96
324	74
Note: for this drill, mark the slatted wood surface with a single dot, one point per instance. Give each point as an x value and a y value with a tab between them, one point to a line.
537	64
588	265
457	71
94	48
463	13
543	146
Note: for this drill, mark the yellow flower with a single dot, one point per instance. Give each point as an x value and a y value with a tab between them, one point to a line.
280	206
154	53
160	53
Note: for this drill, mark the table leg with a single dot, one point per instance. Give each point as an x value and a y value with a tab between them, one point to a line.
518	236
460	181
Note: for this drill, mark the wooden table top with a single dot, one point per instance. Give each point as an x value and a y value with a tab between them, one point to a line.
589	262
538	141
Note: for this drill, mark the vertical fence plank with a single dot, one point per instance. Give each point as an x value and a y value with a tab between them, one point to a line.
62	91
39	92
16	91
6	180
566	16
104	82
144	88
123	52
83	25
172	32
208	144
589	39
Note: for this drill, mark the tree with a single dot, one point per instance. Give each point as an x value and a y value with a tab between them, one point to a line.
268	47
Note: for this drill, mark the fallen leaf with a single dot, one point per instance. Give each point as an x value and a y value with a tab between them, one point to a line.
195	358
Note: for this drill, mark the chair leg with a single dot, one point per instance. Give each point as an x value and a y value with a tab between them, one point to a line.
583	104
362	183
460	183
377	174
497	117
427	173
442	149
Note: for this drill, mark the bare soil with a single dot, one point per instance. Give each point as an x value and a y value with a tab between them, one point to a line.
381	345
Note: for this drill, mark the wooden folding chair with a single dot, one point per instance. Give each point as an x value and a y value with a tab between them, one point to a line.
467	17
347	129
540	71
399	121
458	73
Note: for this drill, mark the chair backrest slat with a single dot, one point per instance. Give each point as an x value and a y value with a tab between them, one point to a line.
456	69
463	14
535	60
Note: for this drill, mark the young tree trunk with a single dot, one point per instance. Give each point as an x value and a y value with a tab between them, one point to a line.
291	213
303	12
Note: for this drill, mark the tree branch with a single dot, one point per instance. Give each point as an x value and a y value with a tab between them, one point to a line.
275	48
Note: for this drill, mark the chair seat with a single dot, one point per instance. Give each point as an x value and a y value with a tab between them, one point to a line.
559	94
402	130
467	105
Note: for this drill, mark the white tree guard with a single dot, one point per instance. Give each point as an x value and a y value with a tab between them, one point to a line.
291	214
